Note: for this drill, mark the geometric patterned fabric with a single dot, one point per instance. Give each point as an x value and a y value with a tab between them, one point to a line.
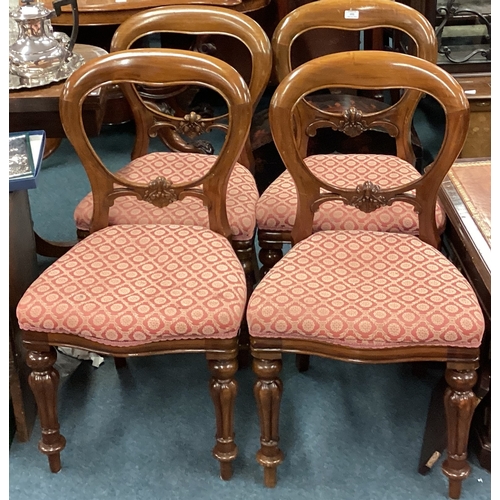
367	290
129	285
276	208
242	195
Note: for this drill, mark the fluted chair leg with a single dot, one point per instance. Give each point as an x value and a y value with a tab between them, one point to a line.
460	402
44	381
223	389
267	391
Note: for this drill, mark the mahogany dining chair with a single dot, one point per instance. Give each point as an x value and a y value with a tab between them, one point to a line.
366	296
145	289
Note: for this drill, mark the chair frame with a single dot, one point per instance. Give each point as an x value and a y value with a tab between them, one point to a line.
351	70
201	20
154	67
330	14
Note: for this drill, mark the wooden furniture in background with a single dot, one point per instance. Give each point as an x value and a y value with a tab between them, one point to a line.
463	29
477	87
38	109
355	295
113	13
188	281
466	196
23	270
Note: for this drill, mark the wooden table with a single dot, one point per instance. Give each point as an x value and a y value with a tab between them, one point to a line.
466	197
477	87
23	270
38	109
114	12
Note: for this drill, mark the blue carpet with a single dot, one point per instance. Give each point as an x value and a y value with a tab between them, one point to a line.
146	432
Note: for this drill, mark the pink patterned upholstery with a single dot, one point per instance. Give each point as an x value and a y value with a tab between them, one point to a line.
366	290
277	205
242	195
136	284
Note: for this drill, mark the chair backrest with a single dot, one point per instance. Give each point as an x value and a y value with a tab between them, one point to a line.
158	68
203	20
367	70
359	15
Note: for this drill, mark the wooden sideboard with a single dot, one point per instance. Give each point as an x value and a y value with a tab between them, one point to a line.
477	87
466	198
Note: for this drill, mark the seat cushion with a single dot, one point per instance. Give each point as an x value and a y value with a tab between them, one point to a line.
366	289
277	206
242	195
136	284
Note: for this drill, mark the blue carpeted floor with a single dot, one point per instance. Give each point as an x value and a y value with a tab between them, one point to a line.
146	431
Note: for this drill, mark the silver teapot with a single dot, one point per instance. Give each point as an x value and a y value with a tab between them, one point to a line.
39	53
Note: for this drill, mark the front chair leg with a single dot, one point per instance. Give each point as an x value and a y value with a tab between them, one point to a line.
460	402
44	380
223	388
267	391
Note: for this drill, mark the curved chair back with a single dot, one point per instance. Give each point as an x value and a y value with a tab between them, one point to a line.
356	70
158	68
203	20
358	15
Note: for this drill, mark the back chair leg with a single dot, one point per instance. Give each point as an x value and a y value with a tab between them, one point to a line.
460	402
270	254
44	381
267	391
223	389
120	363
302	362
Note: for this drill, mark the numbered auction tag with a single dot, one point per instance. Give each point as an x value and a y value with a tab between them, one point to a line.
351	14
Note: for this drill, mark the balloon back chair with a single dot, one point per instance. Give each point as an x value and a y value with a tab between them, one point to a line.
203	21
350	116
367	296
139	290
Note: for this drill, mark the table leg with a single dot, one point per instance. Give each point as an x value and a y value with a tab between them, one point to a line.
51	144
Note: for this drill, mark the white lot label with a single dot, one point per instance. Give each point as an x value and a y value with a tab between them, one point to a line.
351	14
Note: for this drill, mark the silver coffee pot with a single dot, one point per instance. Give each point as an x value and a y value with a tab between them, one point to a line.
39	54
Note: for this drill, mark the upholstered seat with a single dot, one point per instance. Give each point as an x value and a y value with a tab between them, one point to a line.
364	289
132	285
242	195
277	206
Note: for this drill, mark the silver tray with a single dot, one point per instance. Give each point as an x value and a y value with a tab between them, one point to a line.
19	82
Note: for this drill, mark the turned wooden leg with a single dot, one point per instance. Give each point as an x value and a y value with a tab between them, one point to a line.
269	255
460	402
302	362
245	251
43	380
267	391
223	388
